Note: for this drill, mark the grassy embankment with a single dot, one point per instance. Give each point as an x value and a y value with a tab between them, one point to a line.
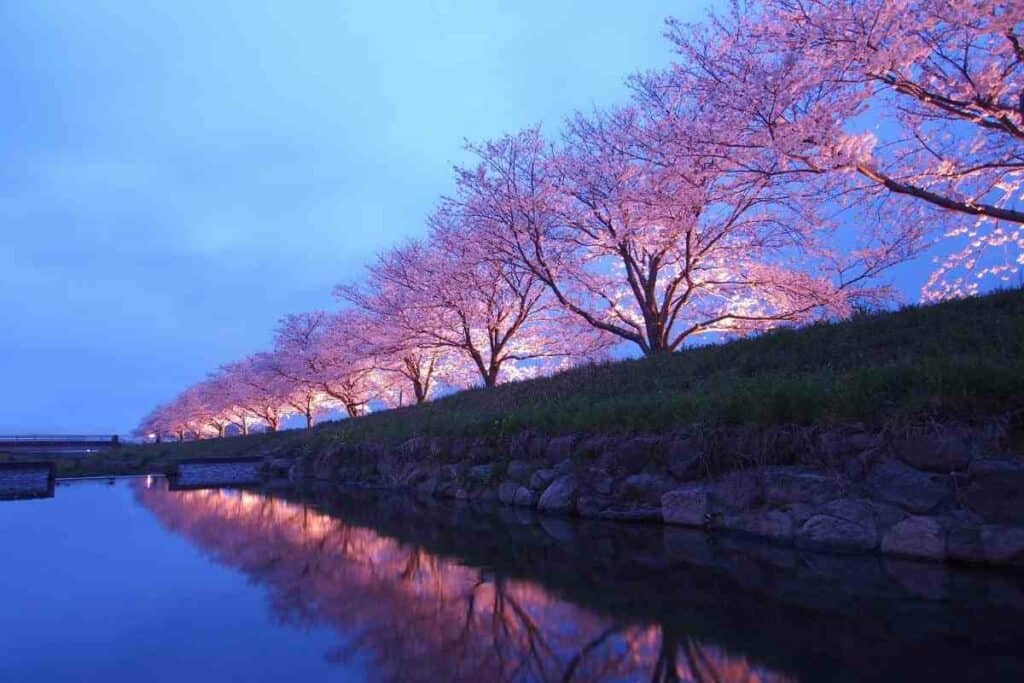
959	359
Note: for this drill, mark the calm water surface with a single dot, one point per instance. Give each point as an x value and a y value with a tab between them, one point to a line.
130	581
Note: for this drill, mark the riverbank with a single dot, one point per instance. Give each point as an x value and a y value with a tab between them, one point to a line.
896	432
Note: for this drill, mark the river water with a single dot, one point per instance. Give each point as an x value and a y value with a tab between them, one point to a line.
127	580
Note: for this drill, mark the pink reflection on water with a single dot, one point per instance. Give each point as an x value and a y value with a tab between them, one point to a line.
415	616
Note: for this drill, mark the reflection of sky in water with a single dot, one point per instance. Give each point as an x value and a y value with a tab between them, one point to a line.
94	588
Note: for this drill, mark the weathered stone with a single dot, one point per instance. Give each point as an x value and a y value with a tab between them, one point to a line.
597	480
481	473
773	524
941	449
560	496
428	486
604	507
629	455
963	543
507	492
591	505
483	493
647	488
559	448
413	474
684	459
521	471
784	485
739	490
842	525
863	441
996	490
1003	544
799	512
592	447
564	467
916	491
688	505
541	479
916	537
524	497
449	472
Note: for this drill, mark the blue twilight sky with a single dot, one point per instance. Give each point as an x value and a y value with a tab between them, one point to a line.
177	175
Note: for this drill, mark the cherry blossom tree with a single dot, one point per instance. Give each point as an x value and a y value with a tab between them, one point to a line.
641	234
407	372
446	293
914	100
262	391
317	351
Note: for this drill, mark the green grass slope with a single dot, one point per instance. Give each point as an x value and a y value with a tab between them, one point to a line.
959	359
956	360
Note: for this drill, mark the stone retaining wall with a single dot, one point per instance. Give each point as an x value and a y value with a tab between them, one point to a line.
216	472
29	480
937	492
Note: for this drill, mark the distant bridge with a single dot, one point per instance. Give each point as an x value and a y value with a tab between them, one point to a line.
59	443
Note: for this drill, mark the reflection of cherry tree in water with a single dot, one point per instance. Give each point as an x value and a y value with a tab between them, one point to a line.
417	616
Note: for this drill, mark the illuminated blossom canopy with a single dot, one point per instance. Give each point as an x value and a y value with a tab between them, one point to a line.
794	151
913	106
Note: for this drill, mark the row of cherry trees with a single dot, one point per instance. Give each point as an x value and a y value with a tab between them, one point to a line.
795	151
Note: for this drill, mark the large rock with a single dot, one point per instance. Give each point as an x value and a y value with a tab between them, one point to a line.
450	472
629	455
604	507
560	496
684	458
916	537
507	492
1003	544
520	471
646	488
687	505
841	525
785	485
996	490
541	479
916	491
524	497
427	487
771	524
948	448
739	490
963	543
481	474
597	480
